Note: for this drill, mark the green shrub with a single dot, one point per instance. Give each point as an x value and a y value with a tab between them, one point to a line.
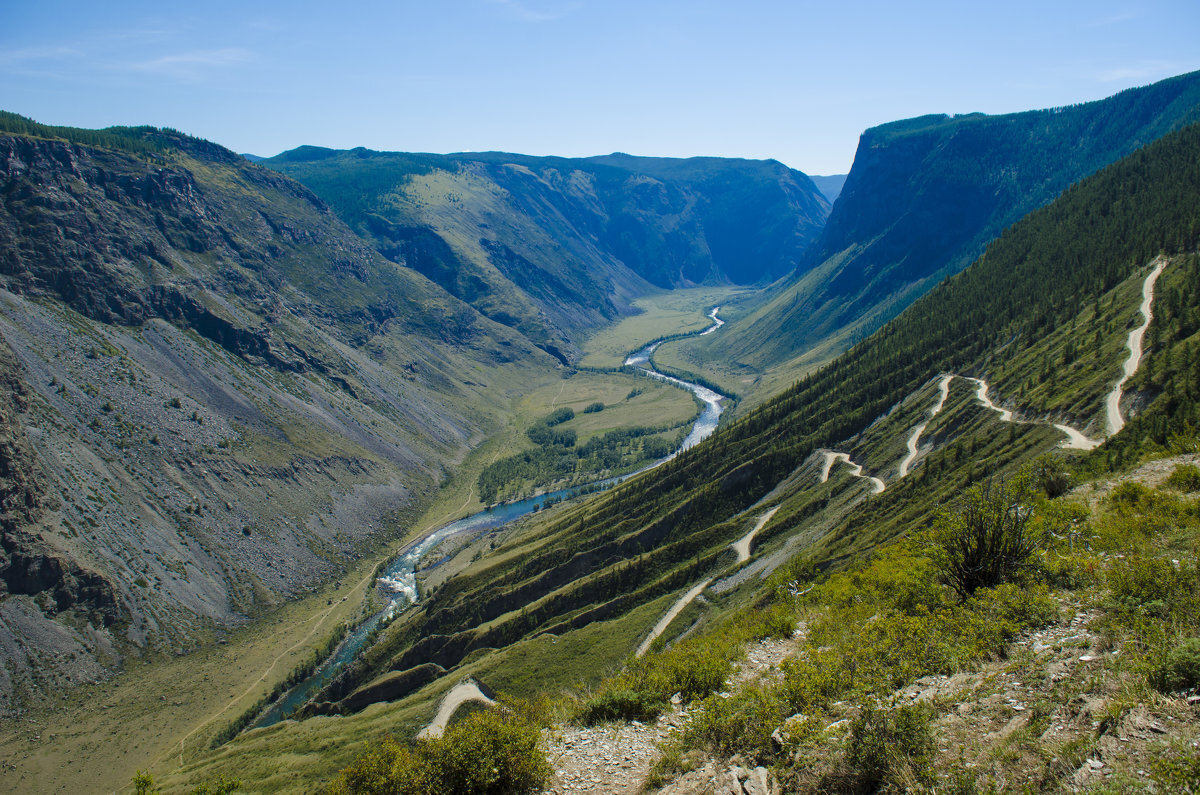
1139	580
727	726
1180	670
891	749
223	786
1051	475
1007	610
592	408
988	537
1186	477
490	751
621	705
1070	573
143	784
775	621
815	679
1177	770
694	670
899	578
856	649
1130	494
694	667
558	417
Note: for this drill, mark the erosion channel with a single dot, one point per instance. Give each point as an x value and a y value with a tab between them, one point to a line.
398	581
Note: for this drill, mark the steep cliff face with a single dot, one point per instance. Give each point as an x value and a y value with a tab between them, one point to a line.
926	195
555	246
215	395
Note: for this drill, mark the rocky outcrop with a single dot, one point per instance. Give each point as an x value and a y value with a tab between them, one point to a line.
388	687
27	566
213	396
26	570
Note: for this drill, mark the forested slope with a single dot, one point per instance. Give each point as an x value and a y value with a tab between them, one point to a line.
667	528
926	195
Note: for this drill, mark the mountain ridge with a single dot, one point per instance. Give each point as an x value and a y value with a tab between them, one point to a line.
695	497
923	199
220	396
557	246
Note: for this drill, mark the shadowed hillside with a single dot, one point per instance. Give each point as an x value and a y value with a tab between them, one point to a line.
217	396
925	196
555	247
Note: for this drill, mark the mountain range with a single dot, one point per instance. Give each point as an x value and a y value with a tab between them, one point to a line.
230	383
924	198
556	247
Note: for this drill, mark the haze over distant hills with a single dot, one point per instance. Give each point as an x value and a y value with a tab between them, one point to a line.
830	186
554	247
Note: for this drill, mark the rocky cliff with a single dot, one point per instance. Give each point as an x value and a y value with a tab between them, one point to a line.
215	396
926	195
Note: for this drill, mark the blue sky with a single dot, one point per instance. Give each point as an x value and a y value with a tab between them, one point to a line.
796	81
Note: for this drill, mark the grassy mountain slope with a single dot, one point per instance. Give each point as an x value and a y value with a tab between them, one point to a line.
220	396
925	196
616	561
662	530
554	247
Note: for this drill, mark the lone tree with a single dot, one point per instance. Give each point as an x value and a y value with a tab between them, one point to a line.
987	537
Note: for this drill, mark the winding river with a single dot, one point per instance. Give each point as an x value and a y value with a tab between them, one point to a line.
398	581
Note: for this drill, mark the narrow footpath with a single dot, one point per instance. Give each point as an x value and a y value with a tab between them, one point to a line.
855	469
1113	405
741	547
915	437
458	695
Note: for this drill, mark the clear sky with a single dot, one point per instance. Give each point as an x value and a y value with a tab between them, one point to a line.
796	81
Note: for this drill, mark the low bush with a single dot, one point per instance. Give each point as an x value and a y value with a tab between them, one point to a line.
558	417
988	537
891	750
815	679
621	704
1180	670
1130	494
727	726
592	408
1186	477
900	578
1177	770
1140	580
860	649
693	668
490	751
1052	475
